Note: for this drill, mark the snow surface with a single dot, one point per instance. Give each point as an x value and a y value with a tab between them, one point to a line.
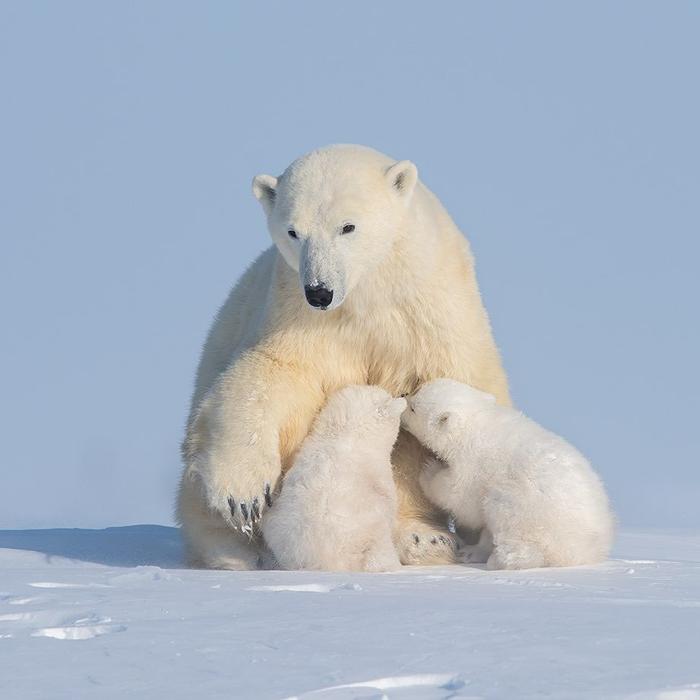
104	613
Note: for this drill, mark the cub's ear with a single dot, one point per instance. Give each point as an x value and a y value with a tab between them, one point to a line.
392	408
402	178
445	420
265	191
486	397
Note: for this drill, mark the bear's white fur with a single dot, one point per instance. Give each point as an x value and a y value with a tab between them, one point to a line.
337	508
536	495
406	309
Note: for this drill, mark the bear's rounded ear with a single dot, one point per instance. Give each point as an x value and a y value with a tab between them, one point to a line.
402	178
265	191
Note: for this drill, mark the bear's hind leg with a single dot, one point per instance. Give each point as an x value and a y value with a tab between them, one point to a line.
516	555
381	556
210	542
480	552
225	549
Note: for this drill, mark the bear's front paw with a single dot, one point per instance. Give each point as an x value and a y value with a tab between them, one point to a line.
241	492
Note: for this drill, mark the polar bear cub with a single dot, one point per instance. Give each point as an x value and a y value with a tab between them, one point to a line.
535	496
337	508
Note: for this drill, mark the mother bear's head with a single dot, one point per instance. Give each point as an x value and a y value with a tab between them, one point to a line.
334	215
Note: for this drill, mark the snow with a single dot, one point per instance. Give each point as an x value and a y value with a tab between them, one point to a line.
101	613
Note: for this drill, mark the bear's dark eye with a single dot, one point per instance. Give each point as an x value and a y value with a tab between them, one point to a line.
348	228
292	233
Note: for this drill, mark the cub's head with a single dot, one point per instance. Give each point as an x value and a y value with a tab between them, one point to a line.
367	414
439	412
334	215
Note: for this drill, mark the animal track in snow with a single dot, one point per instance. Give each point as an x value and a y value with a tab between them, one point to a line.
51	584
308	588
50	618
16	617
638	561
55	624
439	681
141	575
79	628
78	632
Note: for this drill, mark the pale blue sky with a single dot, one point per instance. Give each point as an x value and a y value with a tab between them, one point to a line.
562	137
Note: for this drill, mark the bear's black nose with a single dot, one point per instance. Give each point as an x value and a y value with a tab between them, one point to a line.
318	296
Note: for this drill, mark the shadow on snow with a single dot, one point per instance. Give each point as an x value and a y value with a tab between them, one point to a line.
135	545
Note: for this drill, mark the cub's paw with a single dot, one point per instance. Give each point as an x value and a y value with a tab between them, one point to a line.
433	465
419	543
437	480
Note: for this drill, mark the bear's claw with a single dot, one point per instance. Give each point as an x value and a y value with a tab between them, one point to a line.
246	514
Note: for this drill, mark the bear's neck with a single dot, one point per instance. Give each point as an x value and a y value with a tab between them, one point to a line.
409	316
411	319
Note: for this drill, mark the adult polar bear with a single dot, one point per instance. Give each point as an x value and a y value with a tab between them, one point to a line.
369	282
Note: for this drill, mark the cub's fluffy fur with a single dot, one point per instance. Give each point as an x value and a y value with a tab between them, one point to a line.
338	504
535	495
